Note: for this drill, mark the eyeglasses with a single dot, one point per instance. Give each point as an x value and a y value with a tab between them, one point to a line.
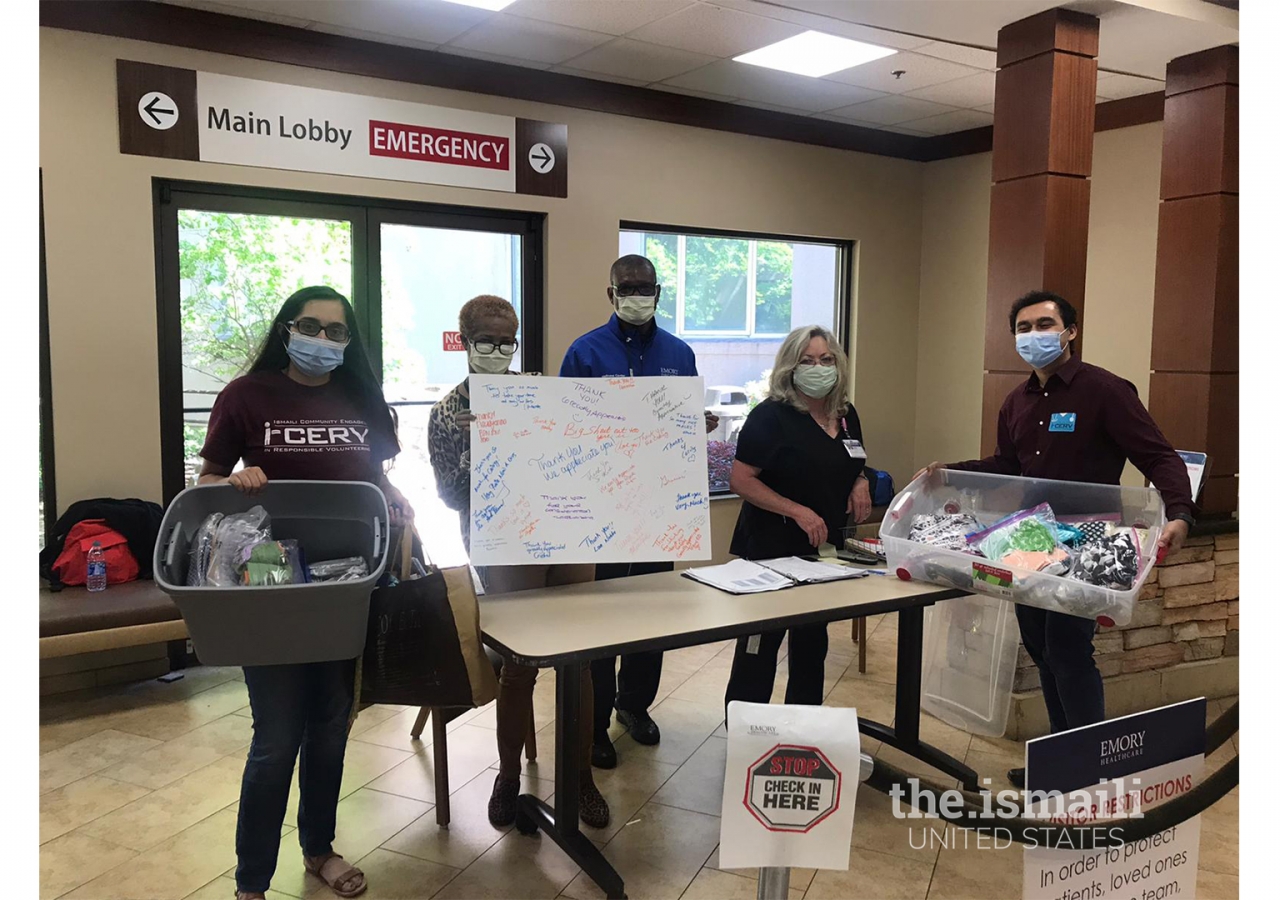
334	331
824	361
506	348
633	290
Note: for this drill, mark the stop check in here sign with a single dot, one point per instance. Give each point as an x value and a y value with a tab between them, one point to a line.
791	779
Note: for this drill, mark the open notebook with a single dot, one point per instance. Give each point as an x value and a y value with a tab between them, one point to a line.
742	576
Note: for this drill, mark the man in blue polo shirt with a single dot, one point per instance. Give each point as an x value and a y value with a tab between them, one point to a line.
630	343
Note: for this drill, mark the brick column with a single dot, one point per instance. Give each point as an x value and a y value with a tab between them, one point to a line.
1042	155
1195	343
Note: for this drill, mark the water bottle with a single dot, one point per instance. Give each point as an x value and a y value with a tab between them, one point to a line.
97	572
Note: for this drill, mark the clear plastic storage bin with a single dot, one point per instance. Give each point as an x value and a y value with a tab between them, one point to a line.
288	623
970	653
990	498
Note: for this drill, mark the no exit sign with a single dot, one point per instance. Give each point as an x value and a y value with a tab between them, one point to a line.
453	340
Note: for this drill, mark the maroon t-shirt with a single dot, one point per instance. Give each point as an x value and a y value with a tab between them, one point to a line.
292	431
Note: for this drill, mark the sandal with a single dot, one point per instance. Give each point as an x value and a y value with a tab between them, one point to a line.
348	882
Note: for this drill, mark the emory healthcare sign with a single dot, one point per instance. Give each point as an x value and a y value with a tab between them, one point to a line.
203	116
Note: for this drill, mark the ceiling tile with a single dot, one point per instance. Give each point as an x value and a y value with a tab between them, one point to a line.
640	61
967	92
827	23
715	31
597	76
263	11
492	57
989	108
705	95
959	120
918	71
736	79
968	56
892	110
595	15
432	23
529	39
1115	87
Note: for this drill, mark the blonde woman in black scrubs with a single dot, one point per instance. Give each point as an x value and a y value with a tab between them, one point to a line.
798	471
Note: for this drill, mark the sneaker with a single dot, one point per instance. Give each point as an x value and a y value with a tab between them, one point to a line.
593	809
503	802
1017	778
643	729
603	755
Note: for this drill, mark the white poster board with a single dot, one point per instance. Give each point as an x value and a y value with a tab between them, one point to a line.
1121	767
791	780
588	470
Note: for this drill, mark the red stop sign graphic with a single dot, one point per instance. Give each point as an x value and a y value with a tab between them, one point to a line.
792	788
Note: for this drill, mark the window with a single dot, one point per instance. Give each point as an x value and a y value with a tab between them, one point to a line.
230	256
733	298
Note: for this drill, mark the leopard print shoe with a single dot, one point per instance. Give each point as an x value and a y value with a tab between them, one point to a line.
504	801
593	809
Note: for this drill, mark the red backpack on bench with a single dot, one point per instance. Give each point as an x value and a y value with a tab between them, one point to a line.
72	565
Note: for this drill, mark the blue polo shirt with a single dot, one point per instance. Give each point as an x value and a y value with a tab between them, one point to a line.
615	350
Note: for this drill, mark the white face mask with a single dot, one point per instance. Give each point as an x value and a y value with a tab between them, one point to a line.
495	363
636	310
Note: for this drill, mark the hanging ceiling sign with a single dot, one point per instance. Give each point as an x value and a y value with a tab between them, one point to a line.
202	116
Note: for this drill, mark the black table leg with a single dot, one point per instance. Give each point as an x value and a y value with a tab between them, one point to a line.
561	824
905	733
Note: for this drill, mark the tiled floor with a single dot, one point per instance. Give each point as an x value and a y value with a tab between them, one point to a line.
140	787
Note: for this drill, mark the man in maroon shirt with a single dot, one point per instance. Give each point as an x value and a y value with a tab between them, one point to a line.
1075	422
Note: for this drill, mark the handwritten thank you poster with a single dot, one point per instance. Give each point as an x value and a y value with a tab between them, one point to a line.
581	470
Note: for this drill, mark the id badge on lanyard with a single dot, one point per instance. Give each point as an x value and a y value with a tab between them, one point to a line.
852	447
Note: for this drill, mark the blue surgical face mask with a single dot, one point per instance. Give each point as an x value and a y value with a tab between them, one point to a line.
314	356
1040	348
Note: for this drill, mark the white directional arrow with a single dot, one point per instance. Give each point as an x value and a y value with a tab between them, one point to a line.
542	158
158	110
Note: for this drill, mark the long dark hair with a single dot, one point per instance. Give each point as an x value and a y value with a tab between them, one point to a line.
355	375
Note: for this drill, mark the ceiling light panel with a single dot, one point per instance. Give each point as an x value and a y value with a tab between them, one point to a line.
491	5
814	54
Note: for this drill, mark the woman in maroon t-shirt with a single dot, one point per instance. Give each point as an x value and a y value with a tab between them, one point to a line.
309	408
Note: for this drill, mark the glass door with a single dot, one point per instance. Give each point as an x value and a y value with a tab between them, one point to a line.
426	273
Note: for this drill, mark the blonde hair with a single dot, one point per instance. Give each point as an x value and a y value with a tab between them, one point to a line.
483	307
781	387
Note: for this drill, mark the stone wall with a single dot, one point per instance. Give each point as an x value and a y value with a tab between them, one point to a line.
1183	640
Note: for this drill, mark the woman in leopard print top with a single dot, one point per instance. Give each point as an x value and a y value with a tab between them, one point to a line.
488	325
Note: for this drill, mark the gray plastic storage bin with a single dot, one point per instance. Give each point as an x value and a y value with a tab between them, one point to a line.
990	498
970	652
288	623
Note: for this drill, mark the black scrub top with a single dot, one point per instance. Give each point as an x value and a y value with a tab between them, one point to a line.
800	461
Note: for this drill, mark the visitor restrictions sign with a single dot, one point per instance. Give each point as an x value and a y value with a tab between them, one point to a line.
1116	769
791	779
208	117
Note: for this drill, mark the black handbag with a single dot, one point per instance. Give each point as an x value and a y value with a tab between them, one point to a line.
423	646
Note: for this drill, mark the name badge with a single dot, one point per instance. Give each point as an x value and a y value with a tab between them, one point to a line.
854	449
1062	422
